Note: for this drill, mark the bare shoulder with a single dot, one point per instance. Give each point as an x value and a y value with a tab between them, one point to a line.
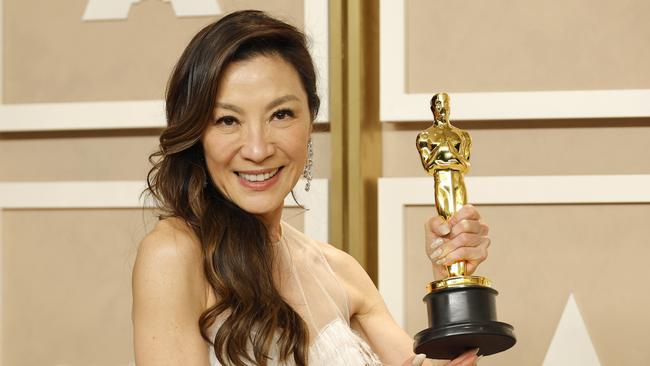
169	296
170	257
339	260
353	277
173	237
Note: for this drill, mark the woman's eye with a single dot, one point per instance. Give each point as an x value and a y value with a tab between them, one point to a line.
226	121
282	114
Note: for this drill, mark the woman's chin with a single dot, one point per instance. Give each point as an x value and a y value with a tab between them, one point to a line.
262	210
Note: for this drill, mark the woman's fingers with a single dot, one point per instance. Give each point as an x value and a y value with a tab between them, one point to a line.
437	226
467	212
468	226
415	360
468	254
418	360
468	358
462	237
463	240
467	220
434	228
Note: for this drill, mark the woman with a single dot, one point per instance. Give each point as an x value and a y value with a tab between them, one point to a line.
220	279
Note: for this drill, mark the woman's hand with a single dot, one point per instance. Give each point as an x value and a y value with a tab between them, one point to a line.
464	237
468	358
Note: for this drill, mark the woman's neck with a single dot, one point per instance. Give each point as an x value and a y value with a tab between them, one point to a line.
272	222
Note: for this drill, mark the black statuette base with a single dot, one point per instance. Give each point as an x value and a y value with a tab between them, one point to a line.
461	319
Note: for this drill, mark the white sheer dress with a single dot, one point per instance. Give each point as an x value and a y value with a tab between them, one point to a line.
308	284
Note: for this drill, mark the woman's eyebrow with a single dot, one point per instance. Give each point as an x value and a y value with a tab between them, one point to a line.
283	99
276	102
231	107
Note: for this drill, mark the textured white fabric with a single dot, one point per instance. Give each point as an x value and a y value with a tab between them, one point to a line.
338	345
306	281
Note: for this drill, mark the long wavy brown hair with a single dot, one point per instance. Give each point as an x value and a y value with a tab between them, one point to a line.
237	257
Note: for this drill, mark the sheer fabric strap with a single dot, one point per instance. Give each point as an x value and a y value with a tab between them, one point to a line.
306	281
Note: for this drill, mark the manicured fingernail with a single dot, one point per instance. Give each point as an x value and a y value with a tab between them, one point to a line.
436	243
444	229
419	359
441	261
436	253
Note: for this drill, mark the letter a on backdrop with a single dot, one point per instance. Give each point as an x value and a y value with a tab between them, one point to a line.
119	9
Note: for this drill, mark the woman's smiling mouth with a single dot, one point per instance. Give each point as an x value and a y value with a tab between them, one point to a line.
259	180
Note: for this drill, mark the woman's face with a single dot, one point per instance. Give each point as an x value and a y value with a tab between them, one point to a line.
256	145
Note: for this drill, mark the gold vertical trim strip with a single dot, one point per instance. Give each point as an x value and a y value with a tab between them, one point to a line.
354	52
363	131
355	128
338	176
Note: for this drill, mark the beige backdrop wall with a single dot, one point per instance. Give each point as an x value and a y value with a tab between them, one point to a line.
541	253
65	272
51	260
527	45
51	55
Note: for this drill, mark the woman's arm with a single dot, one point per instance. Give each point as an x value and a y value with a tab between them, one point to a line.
463	237
372	319
168	298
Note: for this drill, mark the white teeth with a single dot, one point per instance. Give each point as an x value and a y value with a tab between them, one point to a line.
258	177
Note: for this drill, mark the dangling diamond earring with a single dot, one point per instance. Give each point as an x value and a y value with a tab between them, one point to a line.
306	173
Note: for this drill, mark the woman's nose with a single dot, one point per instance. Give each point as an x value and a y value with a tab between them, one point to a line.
257	145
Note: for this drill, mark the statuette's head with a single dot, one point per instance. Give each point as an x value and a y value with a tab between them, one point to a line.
440	107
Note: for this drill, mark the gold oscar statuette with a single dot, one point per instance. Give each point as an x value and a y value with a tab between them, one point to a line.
461	308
